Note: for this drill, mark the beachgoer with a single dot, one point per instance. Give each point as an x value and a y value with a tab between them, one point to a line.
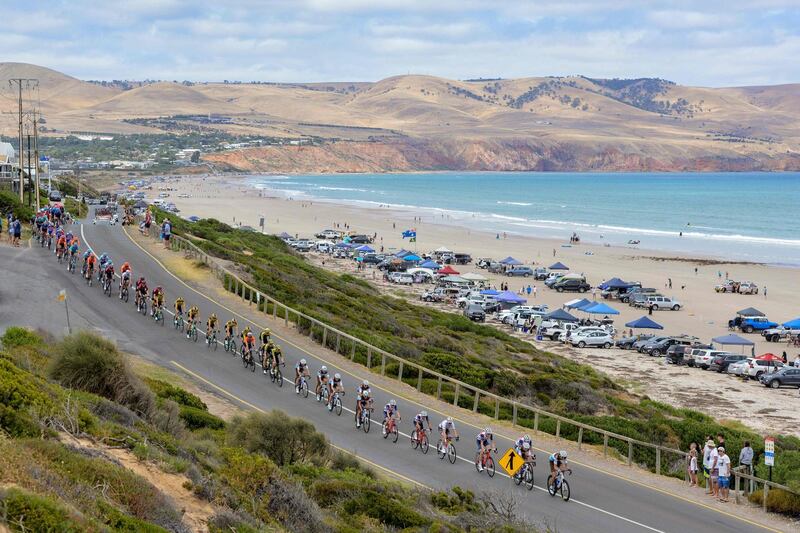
693	468
695	271
707	462
765	292
724	467
746	457
534	295
797	361
594	293
529	293
783	357
669	280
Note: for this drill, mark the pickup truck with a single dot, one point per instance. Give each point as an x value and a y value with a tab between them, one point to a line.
780	333
749	324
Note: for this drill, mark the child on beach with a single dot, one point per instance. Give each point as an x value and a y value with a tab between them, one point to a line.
693	468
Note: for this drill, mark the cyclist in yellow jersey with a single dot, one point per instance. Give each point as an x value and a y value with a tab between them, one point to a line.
230	328
211	324
193	314
179	304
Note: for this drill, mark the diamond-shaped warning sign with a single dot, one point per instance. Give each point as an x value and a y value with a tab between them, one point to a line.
511	462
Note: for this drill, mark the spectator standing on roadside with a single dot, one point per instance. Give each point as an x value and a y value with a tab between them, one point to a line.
746	457
714	476
693	467
17	231
166	231
724	466
707	462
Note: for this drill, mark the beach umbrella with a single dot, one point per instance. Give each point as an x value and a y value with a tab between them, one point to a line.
750	311
365	248
412	257
449	271
510	261
577	304
431	264
792	324
644	323
490	292
599	309
510	297
560	314
769	357
559	266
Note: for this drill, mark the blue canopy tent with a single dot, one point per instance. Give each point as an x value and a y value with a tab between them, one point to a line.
559	266
735	340
284	235
560	314
365	248
431	264
510	297
792	324
412	257
599	309
402	253
510	261
644	323
343	245
577	304
490	292
609	283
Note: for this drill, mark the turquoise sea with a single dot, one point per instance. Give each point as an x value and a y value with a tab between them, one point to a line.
739	216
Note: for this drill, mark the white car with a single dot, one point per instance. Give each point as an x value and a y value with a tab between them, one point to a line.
704	358
404	279
660	302
591	338
739	368
757	367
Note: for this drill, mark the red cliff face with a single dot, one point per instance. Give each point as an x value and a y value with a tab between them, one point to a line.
476	155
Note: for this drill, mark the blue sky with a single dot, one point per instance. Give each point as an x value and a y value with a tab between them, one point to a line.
699	42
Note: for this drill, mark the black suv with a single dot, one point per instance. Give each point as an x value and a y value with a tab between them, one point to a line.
720	363
574	285
475	312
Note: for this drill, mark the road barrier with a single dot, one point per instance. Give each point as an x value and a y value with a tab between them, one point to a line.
660	459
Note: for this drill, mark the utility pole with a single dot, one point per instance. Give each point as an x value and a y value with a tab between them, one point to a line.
30	172
20	157
36	155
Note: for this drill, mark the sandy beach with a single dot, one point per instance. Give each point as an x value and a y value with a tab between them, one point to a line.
704	314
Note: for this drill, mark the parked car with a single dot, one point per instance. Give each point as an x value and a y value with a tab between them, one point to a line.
553	277
520	271
656	349
483	262
633	291
760	367
721	363
780	333
748	287
659	302
462	259
328	234
739	368
749	324
641	343
403	278
676	354
372	259
302	245
496	268
727	286
360	239
475	312
507	316
626	343
591	338
638	299
704	358
572	285
439	294
540	273
786	376
491	306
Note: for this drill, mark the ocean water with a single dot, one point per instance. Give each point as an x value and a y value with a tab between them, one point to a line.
738	216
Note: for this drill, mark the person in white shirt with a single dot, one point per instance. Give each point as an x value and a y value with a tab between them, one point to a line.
714	460
724	468
707	463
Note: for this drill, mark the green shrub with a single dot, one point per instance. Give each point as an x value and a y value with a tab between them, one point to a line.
778	501
10	202
21	393
24	511
283	439
389	509
16	336
88	362
195	418
165	390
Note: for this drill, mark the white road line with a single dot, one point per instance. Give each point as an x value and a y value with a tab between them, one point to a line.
578	502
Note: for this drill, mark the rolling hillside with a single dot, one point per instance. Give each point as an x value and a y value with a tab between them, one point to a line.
568	123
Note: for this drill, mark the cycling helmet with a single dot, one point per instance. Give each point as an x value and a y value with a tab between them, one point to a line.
267	331
526	446
337	376
213	315
449	418
424	414
278	349
323	369
488	431
392	403
562	454
527	438
303	362
365	383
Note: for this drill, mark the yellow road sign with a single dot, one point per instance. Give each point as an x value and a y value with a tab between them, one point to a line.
62	295
511	462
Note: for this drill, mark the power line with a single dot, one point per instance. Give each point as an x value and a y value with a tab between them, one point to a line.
27	83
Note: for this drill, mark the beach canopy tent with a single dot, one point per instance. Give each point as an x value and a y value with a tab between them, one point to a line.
559	266
365	248
426	272
560	314
599	309
578	303
343	245
431	264
449	271
615	283
510	261
490	292
644	323
402	253
749	311
474	276
734	340
510	297
792	324
442	250
453	279
284	235
412	257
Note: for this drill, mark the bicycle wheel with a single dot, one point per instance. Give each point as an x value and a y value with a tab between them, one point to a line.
194	334
490	466
528	478
214	343
337	406
279	380
242	356
395	433
324	395
385	432
551	485
478	462
414	440
440	451
564	490
423	443
367	421
451	454
304	388
520	475
161	317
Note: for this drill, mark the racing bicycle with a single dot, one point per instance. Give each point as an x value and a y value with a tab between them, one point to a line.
178	322
419	439
211	340
447	449
247	357
335	405
558	485
390	429
484	459
158	314
191	333
366	417
524	475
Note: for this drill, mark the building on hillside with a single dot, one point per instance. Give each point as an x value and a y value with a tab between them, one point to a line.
8	166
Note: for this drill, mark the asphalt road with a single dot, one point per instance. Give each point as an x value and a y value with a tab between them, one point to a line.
600	502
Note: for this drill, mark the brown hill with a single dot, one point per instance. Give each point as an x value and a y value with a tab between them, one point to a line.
429	122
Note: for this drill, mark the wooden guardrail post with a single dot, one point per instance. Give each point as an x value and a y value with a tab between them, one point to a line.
383	364
285	316
658	461
400	372
605	444
476	402
455	394
369	357
514	414
536	421
580	437
496	407
419	380
324	335
736	479
338	342
353	351
630	452
558	428
439	388
765	493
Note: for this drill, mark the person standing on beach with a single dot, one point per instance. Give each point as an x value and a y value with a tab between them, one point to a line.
529	292
669	280
695	271
534	296
765	292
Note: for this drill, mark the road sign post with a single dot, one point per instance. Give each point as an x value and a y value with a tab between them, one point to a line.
511	462
769	454
62	297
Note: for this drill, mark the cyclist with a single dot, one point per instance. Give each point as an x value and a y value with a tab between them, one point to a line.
265	336
300	370
73	248
245	333
191	316
68	236
266	344
126	267
335	385
211	324
519	444
558	460
179	303
389	411
363	399
108	273
141	291
61	246
420	420
91	259
156	300
249	343
483	441
104	258
446	427
322	380
275	356
125	278
230	329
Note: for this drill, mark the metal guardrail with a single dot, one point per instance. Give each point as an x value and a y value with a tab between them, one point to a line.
342	342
